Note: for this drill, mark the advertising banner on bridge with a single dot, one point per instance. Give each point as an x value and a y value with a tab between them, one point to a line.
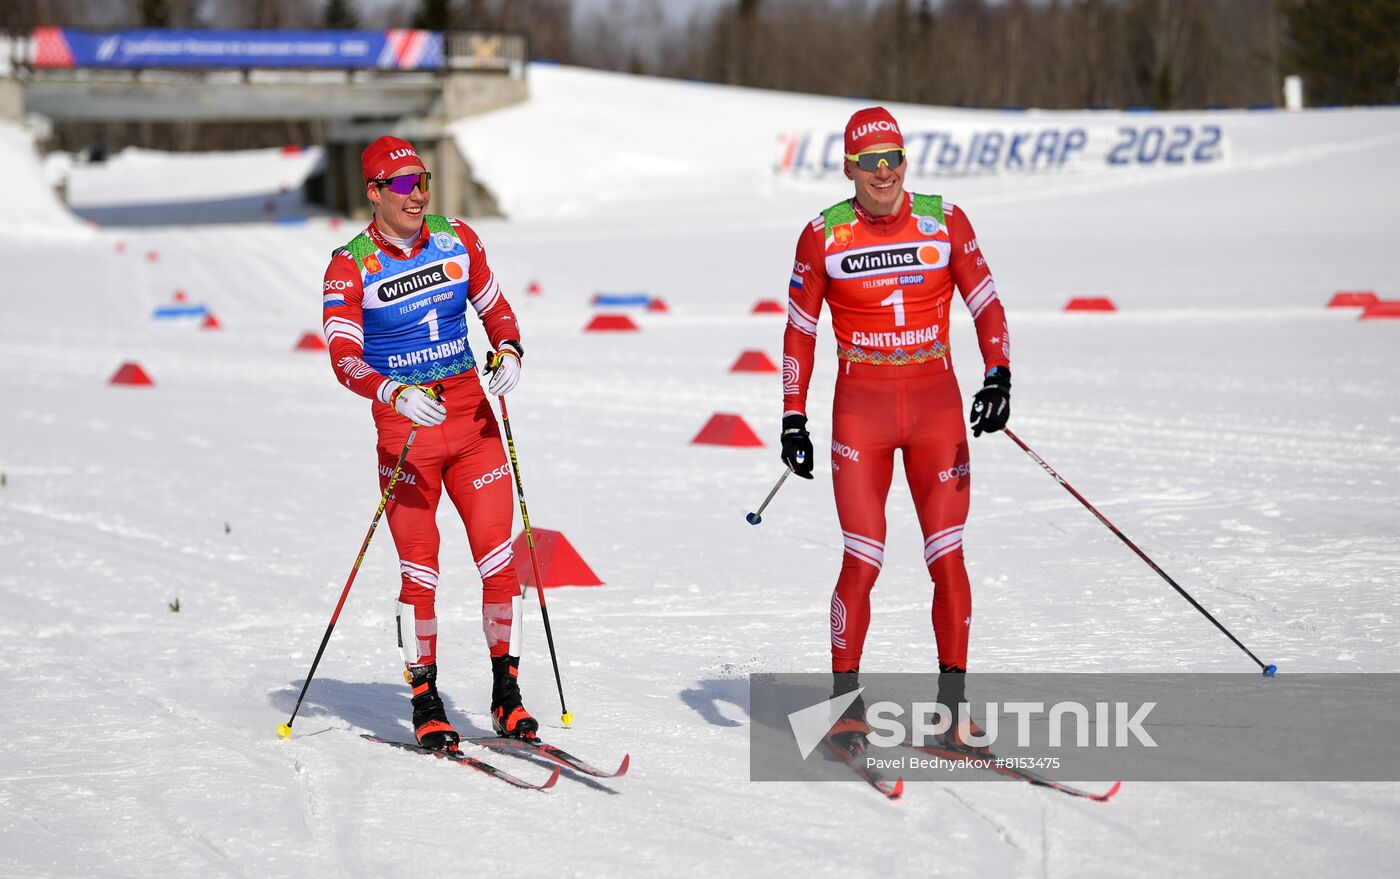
386	50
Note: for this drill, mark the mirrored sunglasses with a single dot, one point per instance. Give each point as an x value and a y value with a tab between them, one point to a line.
406	183
870	161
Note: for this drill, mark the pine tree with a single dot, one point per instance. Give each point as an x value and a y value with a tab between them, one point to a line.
434	15
341	15
155	13
1347	51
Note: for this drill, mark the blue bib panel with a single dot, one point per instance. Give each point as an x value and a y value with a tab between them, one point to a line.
415	310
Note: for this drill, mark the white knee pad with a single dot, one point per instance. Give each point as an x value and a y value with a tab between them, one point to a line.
492	619
515	626
406	620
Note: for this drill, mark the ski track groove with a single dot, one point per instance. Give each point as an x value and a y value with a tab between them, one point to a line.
1045	842
1003	833
191	833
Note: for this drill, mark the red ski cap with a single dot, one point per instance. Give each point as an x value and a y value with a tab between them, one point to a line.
871	126
382	158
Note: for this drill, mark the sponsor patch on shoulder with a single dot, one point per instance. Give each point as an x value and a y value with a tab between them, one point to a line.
445	241
927	225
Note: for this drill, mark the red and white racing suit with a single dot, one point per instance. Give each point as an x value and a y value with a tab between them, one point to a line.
889	282
411	329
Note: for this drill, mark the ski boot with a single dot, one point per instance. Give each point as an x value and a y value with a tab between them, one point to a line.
430	724
508	714
850	731
952	693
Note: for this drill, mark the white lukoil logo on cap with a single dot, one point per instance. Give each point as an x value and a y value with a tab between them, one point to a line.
871	127
401	153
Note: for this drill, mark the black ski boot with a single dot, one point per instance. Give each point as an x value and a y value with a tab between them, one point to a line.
430	724
850	731
952	693
508	714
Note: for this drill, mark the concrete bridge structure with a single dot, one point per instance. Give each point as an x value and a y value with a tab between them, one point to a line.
480	72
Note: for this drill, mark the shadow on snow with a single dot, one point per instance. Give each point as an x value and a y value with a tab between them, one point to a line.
377	708
706	697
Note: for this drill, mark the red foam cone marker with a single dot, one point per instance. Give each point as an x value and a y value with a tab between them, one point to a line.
152	255
1353	299
753	361
211	322
534	289
311	342
1091	303
1383	310
768	306
560	563
180	295
727	430
611	323
119	247
658	305
131	373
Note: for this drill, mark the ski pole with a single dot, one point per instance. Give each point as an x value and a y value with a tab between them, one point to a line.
285	730
566	717
755	518
1269	670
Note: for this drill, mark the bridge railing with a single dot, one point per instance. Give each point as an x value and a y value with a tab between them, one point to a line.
486	50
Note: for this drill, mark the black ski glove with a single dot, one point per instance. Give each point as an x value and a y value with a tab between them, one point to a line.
797	445
992	405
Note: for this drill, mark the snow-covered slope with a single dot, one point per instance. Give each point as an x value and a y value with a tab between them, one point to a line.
139	187
31	207
1244	435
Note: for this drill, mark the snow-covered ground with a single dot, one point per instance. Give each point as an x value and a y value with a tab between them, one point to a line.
1245	436
139	187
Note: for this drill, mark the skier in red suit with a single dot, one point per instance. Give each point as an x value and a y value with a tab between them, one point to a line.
887	263
394	307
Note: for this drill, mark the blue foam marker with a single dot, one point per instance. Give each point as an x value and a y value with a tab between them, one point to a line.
624	300
172	311
1270	671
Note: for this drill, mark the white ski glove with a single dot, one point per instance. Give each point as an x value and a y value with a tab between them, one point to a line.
504	367
418	406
